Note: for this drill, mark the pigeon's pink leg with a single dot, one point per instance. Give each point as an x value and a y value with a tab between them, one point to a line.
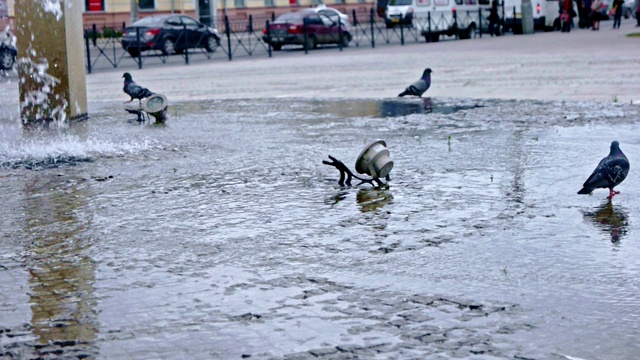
612	194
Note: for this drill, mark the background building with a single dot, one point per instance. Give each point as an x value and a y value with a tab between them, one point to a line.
115	13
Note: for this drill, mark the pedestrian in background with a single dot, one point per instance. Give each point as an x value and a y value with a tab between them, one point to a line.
596	14
617	13
566	15
636	9
585	10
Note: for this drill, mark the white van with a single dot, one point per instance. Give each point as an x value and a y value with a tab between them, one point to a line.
434	18
546	15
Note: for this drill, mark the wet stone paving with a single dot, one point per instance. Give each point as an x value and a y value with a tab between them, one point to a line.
222	235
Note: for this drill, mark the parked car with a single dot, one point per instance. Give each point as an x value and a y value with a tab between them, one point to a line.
169	34
400	12
334	15
628	10
7	56
288	29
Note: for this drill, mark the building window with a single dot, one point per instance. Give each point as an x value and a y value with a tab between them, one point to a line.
146	4
239	4
269	3
316	2
94	5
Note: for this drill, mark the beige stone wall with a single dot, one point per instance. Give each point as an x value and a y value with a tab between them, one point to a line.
119	6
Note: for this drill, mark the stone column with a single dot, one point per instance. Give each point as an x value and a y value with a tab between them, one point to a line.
51	64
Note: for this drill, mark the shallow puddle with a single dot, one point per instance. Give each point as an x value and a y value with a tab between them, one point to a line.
222	234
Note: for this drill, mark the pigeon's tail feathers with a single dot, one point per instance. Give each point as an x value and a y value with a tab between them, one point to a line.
585	191
146	93
403	93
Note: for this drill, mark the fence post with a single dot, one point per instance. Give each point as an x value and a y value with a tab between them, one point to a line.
87	47
305	36
227	30
138	46
250	31
94	35
273	16
513	19
371	20
186	43
455	23
429	25
401	34
340	37
480	23
355	18
268	38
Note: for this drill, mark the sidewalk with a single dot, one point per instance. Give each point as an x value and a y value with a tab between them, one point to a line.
582	65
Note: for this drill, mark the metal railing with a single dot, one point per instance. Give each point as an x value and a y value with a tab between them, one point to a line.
246	37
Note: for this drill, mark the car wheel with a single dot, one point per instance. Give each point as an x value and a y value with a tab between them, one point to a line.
310	43
211	44
6	60
276	47
168	47
133	52
346	39
468	32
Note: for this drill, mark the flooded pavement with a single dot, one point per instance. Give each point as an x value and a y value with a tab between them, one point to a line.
222	235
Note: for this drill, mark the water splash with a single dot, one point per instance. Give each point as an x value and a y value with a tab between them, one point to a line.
37	154
37	102
54	7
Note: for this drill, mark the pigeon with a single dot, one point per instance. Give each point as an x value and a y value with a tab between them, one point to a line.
134	90
609	173
419	87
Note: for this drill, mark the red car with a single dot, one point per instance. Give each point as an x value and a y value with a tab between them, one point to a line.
289	29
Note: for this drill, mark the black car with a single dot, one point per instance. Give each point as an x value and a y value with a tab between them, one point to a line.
169	34
7	56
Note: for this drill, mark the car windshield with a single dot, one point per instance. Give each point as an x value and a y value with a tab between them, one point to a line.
291	18
150	21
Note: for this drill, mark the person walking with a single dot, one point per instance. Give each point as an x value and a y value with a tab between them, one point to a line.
494	18
617	15
636	9
596	14
566	15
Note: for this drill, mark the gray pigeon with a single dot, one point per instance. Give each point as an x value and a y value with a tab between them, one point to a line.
134	90
419	87
609	173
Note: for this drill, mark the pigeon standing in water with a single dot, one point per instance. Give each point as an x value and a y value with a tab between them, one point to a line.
134	90
609	173
419	87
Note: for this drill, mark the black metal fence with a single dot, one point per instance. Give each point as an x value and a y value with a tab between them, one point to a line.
240	38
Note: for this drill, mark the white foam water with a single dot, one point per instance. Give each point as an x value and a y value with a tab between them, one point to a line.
65	149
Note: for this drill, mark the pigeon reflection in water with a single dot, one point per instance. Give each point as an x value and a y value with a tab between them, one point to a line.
610	219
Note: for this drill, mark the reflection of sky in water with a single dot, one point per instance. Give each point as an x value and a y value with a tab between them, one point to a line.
392	108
